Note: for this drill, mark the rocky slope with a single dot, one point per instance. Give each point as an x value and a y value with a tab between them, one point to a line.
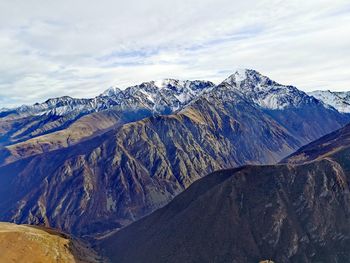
27	244
339	100
284	213
113	178
79	130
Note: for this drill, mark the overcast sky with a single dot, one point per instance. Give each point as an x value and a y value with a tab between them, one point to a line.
80	48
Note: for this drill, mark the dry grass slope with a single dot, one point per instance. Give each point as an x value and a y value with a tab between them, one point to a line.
23	243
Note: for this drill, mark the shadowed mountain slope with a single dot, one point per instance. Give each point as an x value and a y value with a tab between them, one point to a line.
285	213
328	146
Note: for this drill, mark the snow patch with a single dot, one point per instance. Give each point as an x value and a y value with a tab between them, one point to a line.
240	75
338	100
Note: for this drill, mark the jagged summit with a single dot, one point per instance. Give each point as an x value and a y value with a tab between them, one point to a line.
240	75
168	95
146	99
248	75
112	91
159	96
168	82
265	92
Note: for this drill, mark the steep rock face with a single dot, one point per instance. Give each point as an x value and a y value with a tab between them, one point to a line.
282	213
339	100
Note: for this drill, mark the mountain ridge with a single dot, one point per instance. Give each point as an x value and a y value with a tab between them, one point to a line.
339	100
55	114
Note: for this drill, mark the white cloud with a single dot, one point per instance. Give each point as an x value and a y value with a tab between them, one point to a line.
79	48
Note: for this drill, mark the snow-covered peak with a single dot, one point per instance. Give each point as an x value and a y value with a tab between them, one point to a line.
163	83
238	76
171	94
338	100
245	75
265	92
161	97
241	74
112	91
181	85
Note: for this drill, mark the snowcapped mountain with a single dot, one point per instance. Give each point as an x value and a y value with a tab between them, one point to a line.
339	100
265	92
149	98
164	97
60	106
161	96
169	95
303	115
112	91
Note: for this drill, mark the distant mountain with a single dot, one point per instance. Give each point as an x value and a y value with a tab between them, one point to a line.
267	93
283	212
125	168
60	122
161	96
339	100
23	243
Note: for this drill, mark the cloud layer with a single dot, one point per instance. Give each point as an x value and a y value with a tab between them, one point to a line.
80	48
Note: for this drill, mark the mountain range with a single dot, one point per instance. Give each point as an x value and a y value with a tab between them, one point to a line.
64	121
92	166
